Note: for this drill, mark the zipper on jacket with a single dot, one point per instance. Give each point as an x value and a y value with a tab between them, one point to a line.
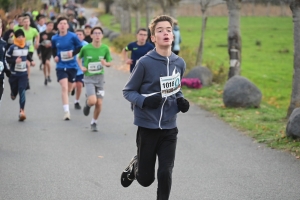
162	107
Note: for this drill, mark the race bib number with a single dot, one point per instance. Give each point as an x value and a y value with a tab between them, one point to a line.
1	67
65	56
170	85
28	42
21	67
95	67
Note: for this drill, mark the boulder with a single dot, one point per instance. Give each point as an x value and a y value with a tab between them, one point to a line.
240	92
113	35
202	73
106	32
293	125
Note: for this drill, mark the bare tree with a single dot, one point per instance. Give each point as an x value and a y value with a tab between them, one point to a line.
234	37
204	6
125	17
136	5
295	97
169	6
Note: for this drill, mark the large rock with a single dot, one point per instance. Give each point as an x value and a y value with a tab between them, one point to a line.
113	35
202	73
240	92
293	125
106	32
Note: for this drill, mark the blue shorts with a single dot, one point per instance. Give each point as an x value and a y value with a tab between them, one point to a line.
69	73
18	83
79	78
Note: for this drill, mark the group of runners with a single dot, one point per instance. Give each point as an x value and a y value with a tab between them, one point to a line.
153	87
78	62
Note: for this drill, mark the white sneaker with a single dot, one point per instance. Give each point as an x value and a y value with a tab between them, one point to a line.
67	116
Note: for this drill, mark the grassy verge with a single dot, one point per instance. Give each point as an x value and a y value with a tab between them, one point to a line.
267	61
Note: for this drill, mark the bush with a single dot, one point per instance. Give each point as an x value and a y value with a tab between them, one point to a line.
220	74
189	57
122	41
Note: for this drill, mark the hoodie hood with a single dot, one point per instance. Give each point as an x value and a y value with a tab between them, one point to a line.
171	59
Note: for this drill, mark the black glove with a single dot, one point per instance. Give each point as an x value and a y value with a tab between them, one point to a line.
8	73
152	101
183	104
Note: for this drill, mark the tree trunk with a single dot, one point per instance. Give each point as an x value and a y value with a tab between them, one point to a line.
125	21
203	28
268	8
148	13
253	7
234	37
295	97
172	11
137	19
282	8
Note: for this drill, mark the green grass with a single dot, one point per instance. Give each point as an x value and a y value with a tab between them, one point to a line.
268	65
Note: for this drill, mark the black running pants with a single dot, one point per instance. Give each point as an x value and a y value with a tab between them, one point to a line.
152	143
1	88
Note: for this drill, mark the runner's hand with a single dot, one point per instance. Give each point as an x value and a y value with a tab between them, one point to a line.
18	60
152	101
32	63
129	61
56	59
8	73
70	54
103	62
83	69
183	104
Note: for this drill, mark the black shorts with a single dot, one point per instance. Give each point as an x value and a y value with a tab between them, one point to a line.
79	78
31	55
46	55
69	73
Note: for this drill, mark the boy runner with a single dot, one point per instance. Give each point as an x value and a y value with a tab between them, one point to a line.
16	56
65	45
79	77
138	48
45	50
154	89
95	56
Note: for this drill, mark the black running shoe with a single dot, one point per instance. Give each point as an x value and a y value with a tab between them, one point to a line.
77	106
94	127
73	92
46	82
128	175
86	109
41	66
49	79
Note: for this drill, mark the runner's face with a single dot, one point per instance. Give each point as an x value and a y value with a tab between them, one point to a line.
87	31
97	35
11	26
26	23
42	21
80	35
63	26
142	37
163	34
20	20
50	27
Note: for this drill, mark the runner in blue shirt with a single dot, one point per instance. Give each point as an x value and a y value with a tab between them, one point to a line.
65	45
138	48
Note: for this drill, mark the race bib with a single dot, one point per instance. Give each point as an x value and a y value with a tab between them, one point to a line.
170	85
95	67
21	67
1	67
65	56
28	42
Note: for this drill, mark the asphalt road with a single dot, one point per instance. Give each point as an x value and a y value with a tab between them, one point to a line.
48	158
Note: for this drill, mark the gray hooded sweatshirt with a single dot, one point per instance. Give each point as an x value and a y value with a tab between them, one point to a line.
145	81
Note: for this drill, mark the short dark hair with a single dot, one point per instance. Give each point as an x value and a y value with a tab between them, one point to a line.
96	27
141	29
49	22
61	19
80	30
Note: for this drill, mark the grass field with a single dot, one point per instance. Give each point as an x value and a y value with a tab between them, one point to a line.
267	61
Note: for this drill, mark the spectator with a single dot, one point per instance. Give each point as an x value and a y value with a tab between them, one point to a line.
177	39
81	20
93	21
87	33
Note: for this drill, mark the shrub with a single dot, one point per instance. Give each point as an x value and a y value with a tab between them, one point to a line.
122	41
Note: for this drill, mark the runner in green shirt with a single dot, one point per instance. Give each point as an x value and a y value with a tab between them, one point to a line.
95	56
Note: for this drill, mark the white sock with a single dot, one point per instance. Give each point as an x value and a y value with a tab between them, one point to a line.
76	101
66	108
94	121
